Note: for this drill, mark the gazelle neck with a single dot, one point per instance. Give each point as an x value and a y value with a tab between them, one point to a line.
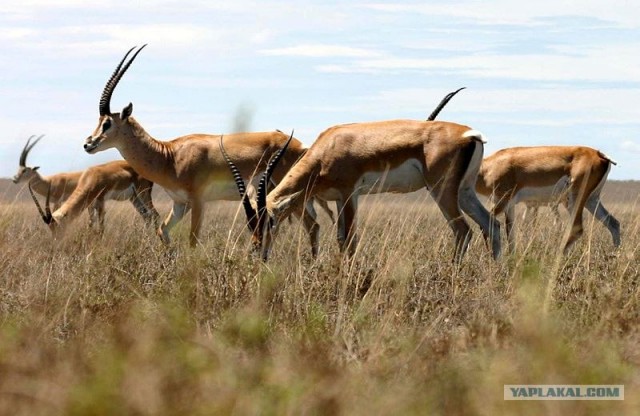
39	184
149	157
293	189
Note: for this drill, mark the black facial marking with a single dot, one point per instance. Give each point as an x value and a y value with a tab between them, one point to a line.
106	125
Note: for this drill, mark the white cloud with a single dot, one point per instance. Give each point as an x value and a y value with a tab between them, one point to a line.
323	51
554	67
592	64
498	12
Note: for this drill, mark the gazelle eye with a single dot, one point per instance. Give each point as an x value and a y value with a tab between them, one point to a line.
106	125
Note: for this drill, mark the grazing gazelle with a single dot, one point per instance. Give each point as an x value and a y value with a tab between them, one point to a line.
60	185
190	168
545	171
109	181
390	156
532	200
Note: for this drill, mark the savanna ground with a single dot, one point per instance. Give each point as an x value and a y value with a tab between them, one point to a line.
120	325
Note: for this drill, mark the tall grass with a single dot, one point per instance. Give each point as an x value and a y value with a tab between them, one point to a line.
120	324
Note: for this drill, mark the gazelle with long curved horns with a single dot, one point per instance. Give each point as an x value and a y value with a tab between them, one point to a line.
390	156
516	173
60	185
190	168
109	181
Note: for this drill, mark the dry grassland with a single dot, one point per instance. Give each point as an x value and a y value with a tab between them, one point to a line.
120	325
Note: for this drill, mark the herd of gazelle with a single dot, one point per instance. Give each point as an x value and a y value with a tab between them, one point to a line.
344	162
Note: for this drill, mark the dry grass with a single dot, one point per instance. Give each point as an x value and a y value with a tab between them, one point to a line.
120	325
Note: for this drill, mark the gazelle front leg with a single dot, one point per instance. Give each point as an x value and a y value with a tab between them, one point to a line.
96	215
197	214
174	217
143	203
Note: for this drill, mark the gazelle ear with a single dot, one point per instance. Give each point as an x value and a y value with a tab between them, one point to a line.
36	168
126	112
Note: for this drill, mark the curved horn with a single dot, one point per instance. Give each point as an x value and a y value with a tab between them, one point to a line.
46	214
252	218
27	148
25	152
261	197
444	102
105	99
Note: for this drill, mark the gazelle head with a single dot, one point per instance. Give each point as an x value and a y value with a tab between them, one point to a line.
112	127
46	215
262	223
26	173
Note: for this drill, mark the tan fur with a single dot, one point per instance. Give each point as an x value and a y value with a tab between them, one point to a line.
113	180
189	166
507	171
61	185
341	155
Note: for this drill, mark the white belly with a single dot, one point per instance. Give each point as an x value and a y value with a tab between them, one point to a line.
543	194
407	177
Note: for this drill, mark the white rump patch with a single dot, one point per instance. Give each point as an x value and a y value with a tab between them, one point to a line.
475	135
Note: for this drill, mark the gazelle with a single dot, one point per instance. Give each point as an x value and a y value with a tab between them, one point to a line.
390	156
109	181
531	209
533	199
544	170
60	185
190	168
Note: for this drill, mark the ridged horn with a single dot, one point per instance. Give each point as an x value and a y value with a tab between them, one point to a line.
444	102
27	148
46	213
105	99
261	197
252	218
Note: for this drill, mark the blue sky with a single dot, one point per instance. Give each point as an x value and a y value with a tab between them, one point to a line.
544	72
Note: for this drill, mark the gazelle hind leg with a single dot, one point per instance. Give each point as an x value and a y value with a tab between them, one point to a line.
509	221
471	205
578	195
177	213
594	205
448	204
